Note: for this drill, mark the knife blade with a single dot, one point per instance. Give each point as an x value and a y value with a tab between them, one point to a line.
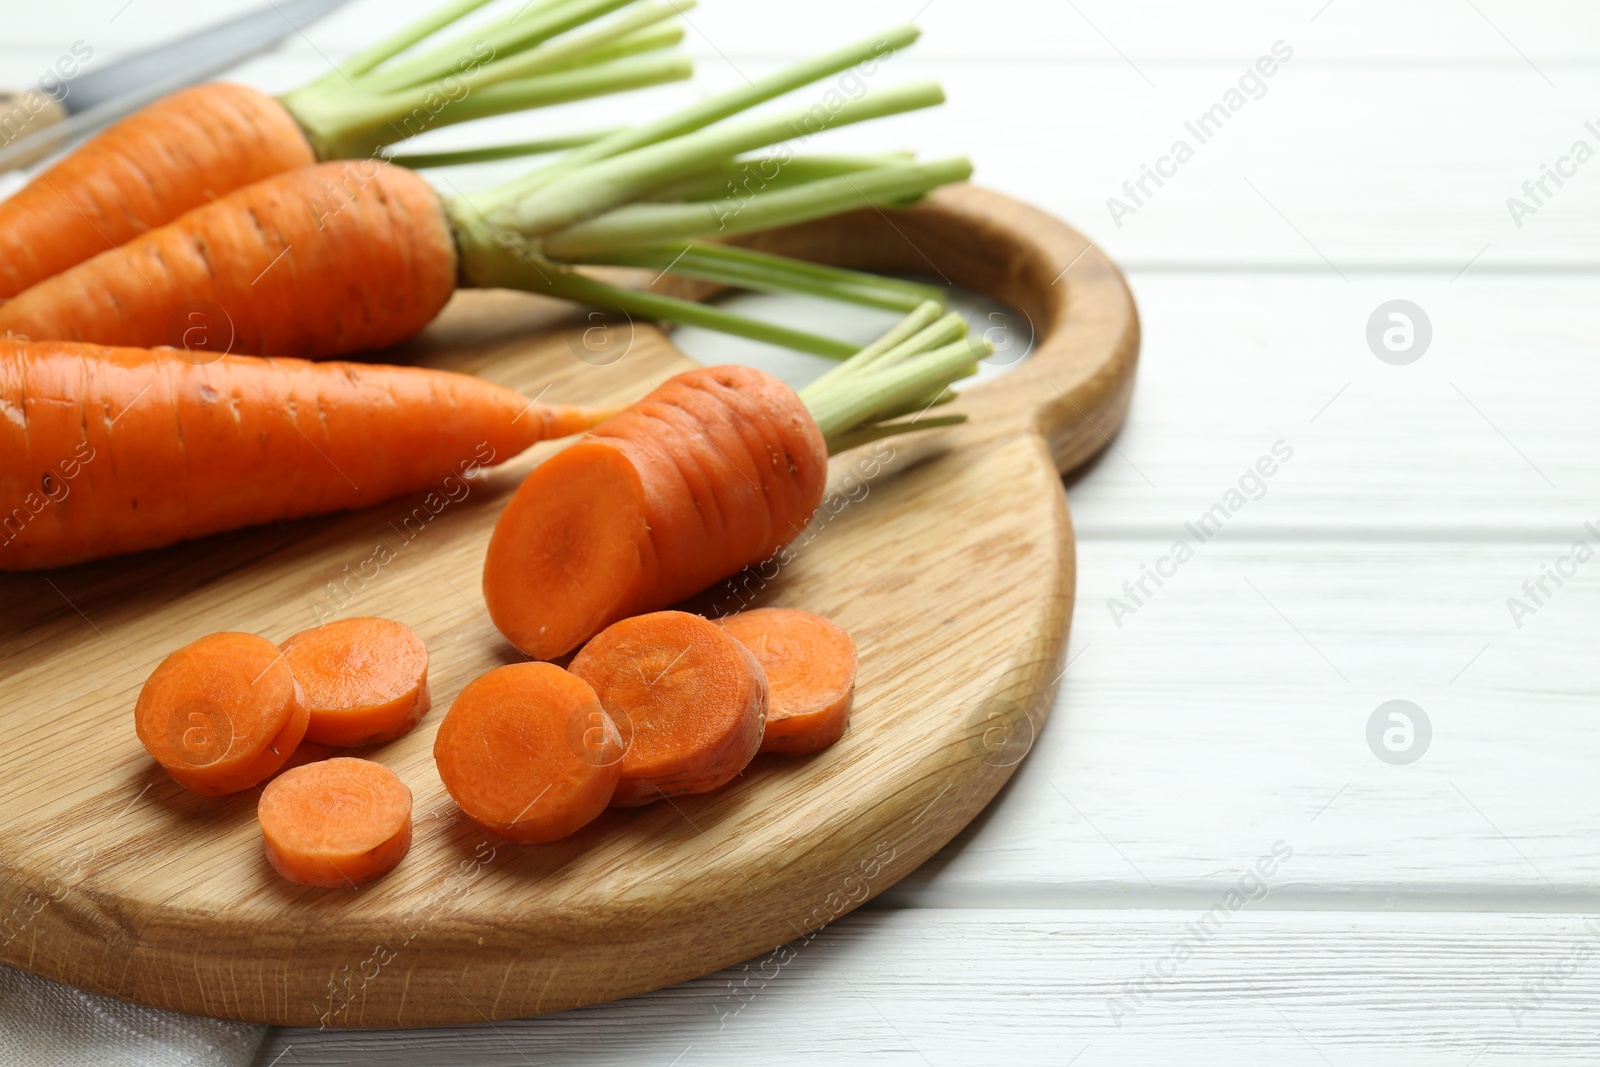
95	98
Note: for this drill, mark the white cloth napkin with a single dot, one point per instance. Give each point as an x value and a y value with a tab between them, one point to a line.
43	1024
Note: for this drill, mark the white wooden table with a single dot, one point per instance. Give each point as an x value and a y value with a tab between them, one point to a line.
1435	912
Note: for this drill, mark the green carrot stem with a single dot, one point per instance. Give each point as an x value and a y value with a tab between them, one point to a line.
621	179
570	285
575	49
488	45
946	330
490	260
843	442
360	127
768	172
649	223
858	400
764	272
866	54
369	58
423	160
650	39
913	324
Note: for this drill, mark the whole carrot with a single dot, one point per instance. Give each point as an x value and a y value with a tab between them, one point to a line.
203	142
321	261
141	173
106	450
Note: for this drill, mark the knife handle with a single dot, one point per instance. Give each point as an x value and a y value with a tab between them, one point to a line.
25	113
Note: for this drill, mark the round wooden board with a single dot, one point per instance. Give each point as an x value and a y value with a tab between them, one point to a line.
948	555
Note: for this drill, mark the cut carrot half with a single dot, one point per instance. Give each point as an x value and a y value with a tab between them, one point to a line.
691	701
336	822
365	680
811	675
222	713
515	752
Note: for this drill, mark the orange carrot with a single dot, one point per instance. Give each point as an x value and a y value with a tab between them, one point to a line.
811	671
322	261
689	699
222	713
713	471
513	752
177	154
337	822
105	451
365	680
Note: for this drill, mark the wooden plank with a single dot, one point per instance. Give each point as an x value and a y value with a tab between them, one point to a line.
1051	986
1231	710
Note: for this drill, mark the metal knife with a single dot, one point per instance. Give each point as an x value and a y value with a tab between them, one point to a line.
36	122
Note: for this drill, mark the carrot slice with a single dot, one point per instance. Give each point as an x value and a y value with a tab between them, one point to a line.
691	700
811	675
514	751
222	713
365	680
337	822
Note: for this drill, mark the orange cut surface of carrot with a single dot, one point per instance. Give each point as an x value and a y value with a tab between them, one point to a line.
222	713
336	822
341	257
811	674
527	752
177	154
111	450
688	699
711	472
365	680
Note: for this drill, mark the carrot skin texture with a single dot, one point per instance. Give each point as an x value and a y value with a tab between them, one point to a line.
105	451
323	261
713	471
175	155
689	698
512	753
811	670
334	823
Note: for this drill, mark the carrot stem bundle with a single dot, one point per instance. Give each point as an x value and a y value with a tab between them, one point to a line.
713	471
107	451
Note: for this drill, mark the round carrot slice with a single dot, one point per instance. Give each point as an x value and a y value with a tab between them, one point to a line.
514	752
811	674
222	713
691	701
336	822
365	680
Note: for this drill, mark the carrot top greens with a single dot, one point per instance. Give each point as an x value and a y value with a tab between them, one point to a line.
661	195
547	52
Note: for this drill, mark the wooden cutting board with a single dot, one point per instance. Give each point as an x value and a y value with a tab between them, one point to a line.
948	555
